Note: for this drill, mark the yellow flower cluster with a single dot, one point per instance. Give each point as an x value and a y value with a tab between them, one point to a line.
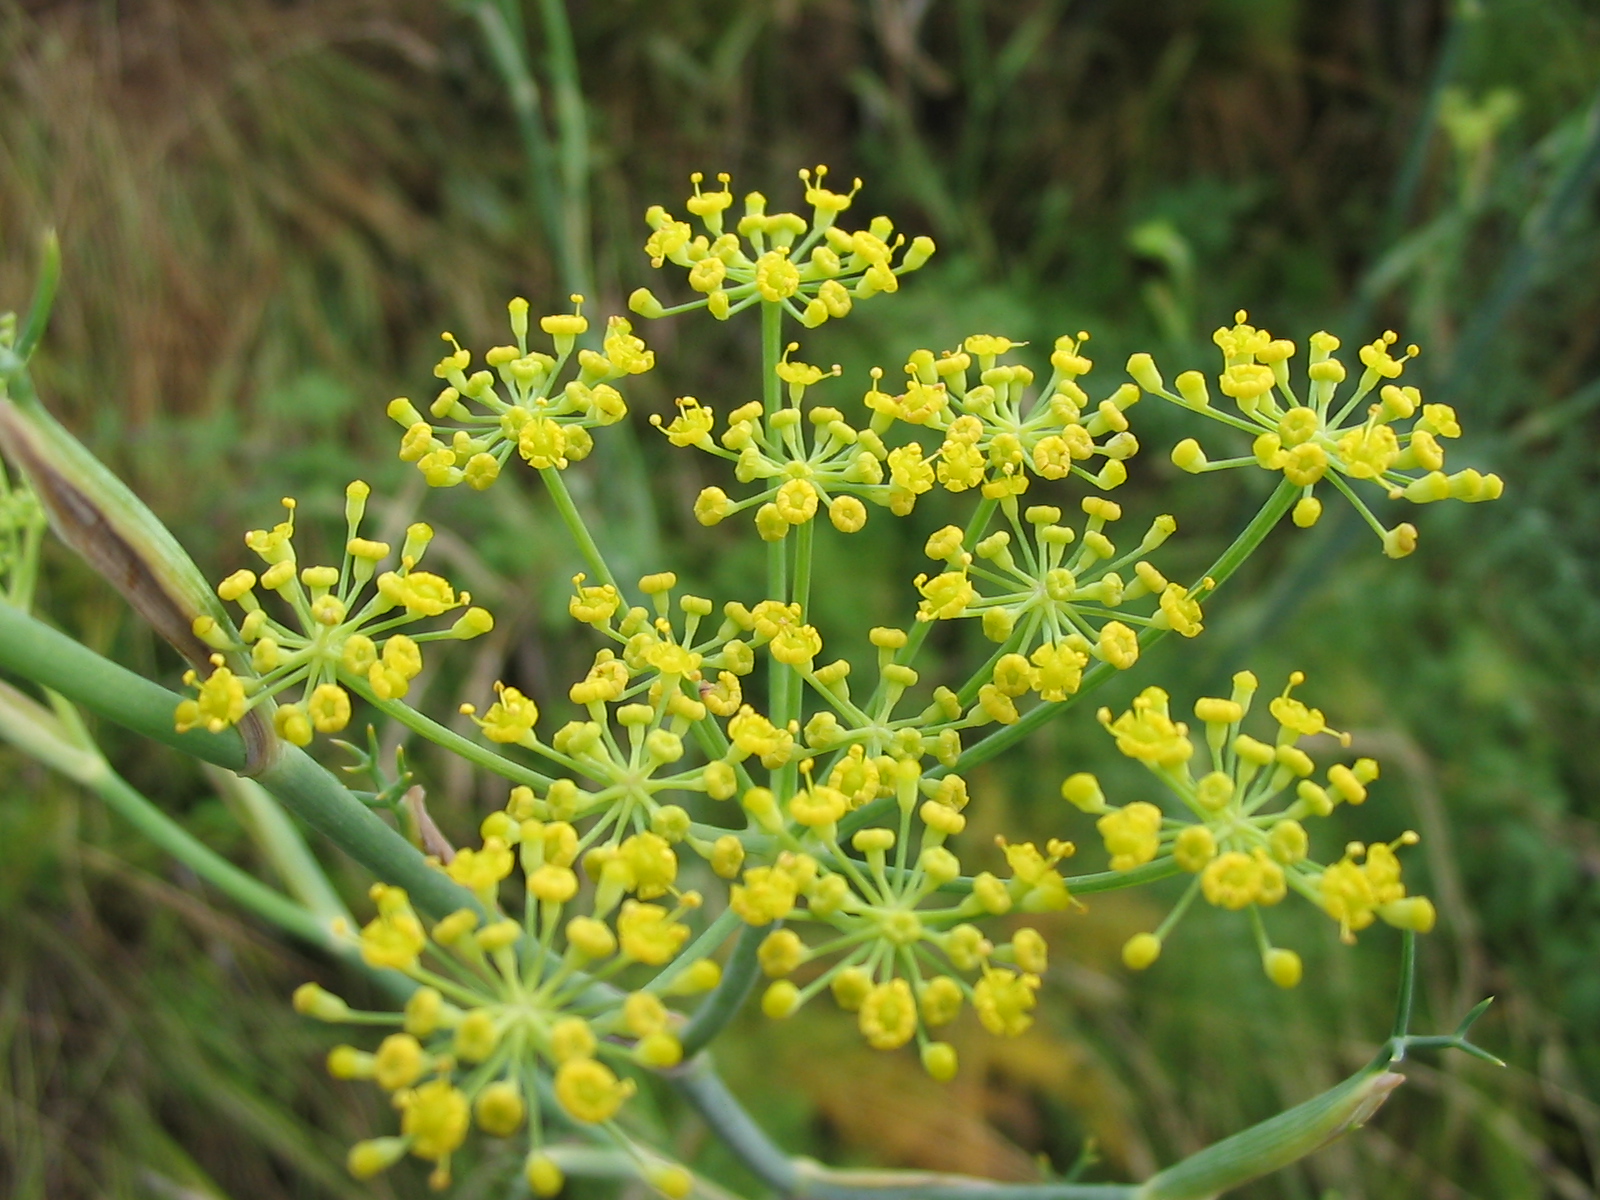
475	429
995	433
898	960
814	269
343	631
1240	831
833	469
994	438
1052	597
1320	436
643	700
500	1000
839	845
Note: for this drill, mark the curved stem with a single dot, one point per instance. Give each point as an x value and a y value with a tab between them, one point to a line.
50	658
737	1129
280	840
32	649
239	886
43	735
44	296
738	978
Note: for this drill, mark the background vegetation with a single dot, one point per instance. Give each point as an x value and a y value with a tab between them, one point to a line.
268	212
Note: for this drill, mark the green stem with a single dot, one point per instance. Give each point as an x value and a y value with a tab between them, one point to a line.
575	525
804	537
783	691
244	889
32	649
307	790
920	629
61	745
279	839
442	735
771	352
804	1180
1408	983
739	976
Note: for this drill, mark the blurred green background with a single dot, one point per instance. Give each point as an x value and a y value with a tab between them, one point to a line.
268	212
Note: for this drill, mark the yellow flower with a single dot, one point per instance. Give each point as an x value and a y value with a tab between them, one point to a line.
394	938
221	703
945	596
1147	733
1353	893
1004	1001
590	1091
888	1016
481	870
434	1116
691	427
1306	440
776	277
1060	668
1132	834
542	442
765	895
1118	645
511	718
648	933
422	594
1180	610
796	645
1236	880
751	733
499	1109
399	1062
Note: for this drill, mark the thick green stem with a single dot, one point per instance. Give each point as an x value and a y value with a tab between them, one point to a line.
739	975
34	650
576	526
322	802
277	837
800	1178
